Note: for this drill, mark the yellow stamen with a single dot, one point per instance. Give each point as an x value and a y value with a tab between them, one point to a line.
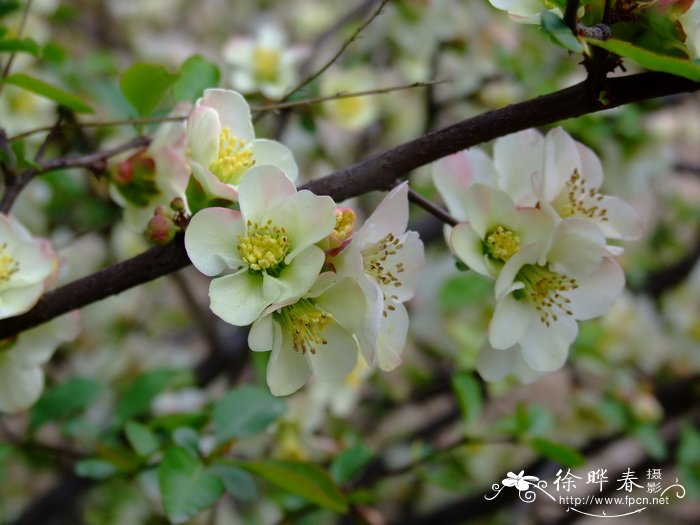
577	200
8	265
266	64
234	159
306	322
543	288
264	247
502	243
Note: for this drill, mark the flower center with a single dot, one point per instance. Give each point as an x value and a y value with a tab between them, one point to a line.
543	287
377	262
347	108
580	201
306	322
502	243
234	159
266	64
8	265
264	247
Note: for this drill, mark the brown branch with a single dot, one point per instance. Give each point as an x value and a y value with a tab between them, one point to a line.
432	208
379	172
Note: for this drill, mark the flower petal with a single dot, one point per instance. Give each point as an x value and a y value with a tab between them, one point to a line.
510	322
545	348
561	159
487	208
391	339
335	360
598	292
211	240
297	278
516	158
238	299
20	386
577	248
287	370
467	245
233	110
212	186
261	189
390	216
203	130
624	222
261	335
272	153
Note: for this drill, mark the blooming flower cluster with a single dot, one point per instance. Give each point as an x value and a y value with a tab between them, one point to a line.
534	221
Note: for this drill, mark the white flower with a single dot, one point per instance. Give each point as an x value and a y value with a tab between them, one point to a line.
21	357
386	261
270	245
524	11
519	481
311	335
264	63
691	25
496	230
350	113
25	265
223	146
539	303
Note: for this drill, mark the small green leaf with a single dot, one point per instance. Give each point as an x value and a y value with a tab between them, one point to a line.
565	456
26	45
650	60
64	400
560	34
145	85
187	438
44	89
141	439
245	412
136	399
689	445
303	479
185	486
196	74
651	439
238	482
95	469
349	462
468	392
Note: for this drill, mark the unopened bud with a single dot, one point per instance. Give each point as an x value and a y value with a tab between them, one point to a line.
160	229
177	204
124	174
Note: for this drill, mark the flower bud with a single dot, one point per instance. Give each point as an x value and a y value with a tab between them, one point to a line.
160	229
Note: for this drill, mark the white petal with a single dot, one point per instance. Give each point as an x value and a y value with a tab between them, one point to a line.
272	153
17	300
390	216
598	292
504	282
238	299
511	319
516	158
577	249
297	278
391	339
561	159
211	240
487	208
203	130
233	110
261	189
412	255
20	387
287	370
467	245
591	168
624	222
335	360
346	302
545	348
212	186
261	335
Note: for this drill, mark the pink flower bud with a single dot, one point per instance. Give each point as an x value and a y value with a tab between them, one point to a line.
160	229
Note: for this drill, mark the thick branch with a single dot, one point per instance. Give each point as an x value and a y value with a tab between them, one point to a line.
379	172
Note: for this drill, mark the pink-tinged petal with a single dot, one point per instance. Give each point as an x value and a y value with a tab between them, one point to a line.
172	170
298	277
545	348
272	153
334	361
233	110
391	339
261	335
308	218
598	292
238	299
390	216
591	168
488	208
466	244
346	302
624	222
20	386
203	128
211	240
17	300
262	189
287	370
516	158
577	248
561	159
211	185
510	322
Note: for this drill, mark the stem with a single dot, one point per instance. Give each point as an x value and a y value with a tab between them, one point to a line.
22	24
570	15
431	208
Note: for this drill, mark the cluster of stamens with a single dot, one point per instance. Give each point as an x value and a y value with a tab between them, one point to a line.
234	158
376	260
577	196
307	322
8	265
264	247
502	243
266	63
544	289
388	307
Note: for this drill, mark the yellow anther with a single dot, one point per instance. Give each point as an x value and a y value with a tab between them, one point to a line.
266	64
8	265
502	243
379	263
347	108
264	247
234	159
543	289
306	322
579	201
344	226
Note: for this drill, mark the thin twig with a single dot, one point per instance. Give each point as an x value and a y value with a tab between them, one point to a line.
8	66
432	208
570	15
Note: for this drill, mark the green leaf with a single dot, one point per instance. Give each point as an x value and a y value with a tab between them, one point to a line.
26	45
196	74
8	6
245	412
651	439
303	479
349	462
44	89
187	438
466	289
145	85
136	400
237	481
141	439
565	456
185	486
689	445
650	60
559	33
95	469
468	392
64	400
